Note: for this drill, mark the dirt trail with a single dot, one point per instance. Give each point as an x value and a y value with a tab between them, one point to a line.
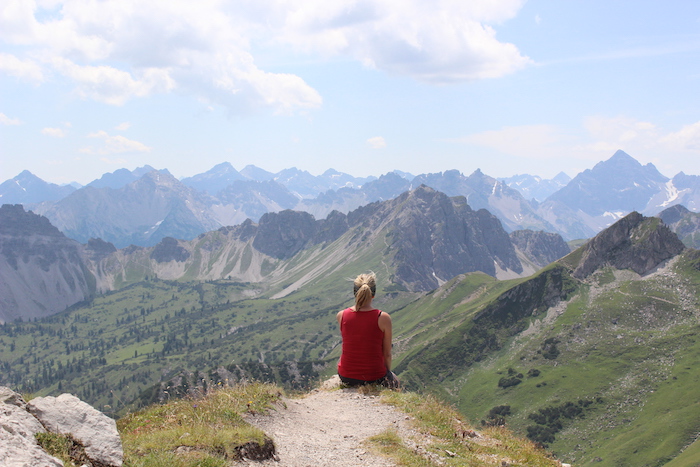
327	427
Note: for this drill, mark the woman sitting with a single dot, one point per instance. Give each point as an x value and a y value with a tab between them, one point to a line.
366	332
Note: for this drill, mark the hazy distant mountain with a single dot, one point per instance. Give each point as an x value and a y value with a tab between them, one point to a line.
306	186
143	212
590	202
407	175
215	179
484	192
256	173
249	199
27	188
598	197
537	188
681	189
347	199
301	183
684	223
620	184
41	271
120	178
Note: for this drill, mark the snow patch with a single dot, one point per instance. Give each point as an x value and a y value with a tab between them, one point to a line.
615	215
671	192
155	226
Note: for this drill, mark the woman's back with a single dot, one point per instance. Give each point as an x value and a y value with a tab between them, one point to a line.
362	355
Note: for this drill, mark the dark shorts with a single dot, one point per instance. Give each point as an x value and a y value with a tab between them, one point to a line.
389	380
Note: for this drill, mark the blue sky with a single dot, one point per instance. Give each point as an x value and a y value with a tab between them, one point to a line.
364	87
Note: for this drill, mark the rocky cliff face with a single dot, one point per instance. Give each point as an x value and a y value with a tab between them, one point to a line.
436	238
634	242
542	248
41	271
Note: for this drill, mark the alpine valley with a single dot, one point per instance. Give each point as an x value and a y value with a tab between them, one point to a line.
140	287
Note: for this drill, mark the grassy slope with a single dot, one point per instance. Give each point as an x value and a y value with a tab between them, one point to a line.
627	345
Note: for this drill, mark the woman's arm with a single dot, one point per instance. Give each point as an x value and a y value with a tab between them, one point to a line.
385	325
339	317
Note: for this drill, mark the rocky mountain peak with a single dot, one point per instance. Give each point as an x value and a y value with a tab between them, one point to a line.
436	237
15	221
634	242
27	188
215	179
620	183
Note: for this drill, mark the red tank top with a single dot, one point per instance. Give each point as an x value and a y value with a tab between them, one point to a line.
362	355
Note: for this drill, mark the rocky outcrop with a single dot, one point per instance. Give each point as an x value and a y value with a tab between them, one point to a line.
282	235
41	270
97	249
634	242
97	442
169	250
542	248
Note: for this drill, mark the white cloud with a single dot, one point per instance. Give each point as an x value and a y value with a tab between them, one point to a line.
24	69
111	85
123	126
377	142
5	120
55	132
114	145
117	50
437	42
686	139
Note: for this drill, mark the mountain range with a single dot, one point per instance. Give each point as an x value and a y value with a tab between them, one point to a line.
144	206
419	239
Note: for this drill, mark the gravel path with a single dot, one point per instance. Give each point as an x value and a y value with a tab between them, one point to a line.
327	427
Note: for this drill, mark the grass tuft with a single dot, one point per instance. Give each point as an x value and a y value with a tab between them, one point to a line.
452	441
205	431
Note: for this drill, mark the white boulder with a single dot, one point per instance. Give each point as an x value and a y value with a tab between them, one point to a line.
66	414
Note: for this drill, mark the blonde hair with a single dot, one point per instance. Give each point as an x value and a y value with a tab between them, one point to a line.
365	286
